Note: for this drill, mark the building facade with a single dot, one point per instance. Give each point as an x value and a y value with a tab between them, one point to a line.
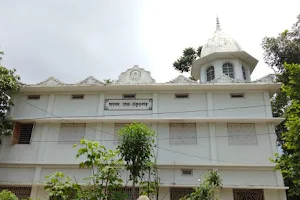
222	122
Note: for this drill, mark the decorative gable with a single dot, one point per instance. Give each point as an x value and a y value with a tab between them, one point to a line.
182	80
52	81
90	81
135	75
270	78
226	79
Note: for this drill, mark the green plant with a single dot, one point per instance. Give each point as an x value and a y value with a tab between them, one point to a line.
208	189
136	142
7	195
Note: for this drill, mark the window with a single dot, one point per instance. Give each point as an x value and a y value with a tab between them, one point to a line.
178	193
22	133
237	95
228	70
128	96
182	134
33	97
181	96
77	96
210	73
241	134
127	191
187	172
21	192
244	73
71	133
241	194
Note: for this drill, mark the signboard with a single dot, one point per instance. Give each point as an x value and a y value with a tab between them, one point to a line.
128	104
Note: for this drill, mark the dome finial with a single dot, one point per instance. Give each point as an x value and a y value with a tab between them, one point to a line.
218	24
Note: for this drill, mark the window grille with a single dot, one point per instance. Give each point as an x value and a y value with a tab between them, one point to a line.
21	192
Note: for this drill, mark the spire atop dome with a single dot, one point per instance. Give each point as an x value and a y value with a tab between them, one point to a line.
218	27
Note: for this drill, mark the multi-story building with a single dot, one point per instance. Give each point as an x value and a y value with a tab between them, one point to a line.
222	122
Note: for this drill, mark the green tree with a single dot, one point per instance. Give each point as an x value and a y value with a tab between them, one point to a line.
289	162
184	63
136	142
9	84
208	189
104	180
7	195
285	48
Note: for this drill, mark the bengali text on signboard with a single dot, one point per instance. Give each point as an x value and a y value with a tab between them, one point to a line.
128	104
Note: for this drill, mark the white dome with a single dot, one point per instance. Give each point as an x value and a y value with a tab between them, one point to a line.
219	42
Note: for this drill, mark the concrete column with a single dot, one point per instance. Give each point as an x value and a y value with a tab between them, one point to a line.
213	143
267	105
155	104
36	179
101	104
210	106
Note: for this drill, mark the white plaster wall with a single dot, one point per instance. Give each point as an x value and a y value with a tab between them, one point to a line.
77	173
63	153
65	106
252	105
200	152
239	177
194	106
22	152
244	154
16	175
25	108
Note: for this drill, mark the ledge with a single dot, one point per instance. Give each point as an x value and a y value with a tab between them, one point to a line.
138	118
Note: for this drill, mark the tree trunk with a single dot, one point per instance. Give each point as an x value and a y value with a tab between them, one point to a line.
133	188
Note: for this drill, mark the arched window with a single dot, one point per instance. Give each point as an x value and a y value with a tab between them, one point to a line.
228	70
210	73
244	73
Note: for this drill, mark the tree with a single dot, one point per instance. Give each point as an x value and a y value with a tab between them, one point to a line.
9	84
136	142
289	162
208	189
7	195
104	180
285	48
108	81
184	63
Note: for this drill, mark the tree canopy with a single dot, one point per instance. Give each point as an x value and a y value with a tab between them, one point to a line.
281	53
184	63
9	83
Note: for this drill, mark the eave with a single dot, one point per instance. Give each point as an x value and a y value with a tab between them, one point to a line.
253	86
141	119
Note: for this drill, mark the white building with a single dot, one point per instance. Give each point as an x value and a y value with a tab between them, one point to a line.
223	122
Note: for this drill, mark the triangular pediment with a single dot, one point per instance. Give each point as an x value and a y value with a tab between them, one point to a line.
52	81
182	80
90	81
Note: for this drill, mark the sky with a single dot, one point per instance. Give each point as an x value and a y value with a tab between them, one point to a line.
74	39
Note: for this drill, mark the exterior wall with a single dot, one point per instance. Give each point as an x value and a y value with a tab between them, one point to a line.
64	106
251	105
164	105
218	64
25	108
211	151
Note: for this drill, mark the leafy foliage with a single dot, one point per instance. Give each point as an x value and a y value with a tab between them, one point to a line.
285	48
184	63
7	195
289	162
60	186
208	188
136	142
105	178
9	83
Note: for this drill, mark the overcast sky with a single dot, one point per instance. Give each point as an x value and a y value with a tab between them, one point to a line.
74	39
